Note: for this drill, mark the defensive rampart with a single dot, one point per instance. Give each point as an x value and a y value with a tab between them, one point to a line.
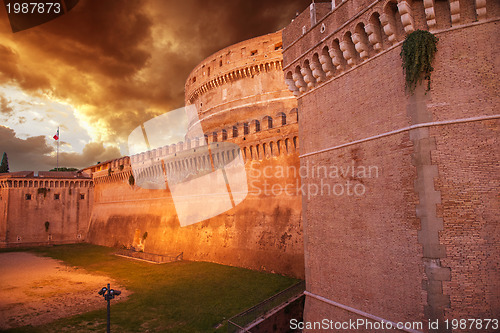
241	98
418	239
49	208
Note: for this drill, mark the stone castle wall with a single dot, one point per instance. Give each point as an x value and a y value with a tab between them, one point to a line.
241	98
418	241
27	203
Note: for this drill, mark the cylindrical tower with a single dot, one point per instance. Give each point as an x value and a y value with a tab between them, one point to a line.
239	87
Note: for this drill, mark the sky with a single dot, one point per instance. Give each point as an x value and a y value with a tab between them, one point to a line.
103	68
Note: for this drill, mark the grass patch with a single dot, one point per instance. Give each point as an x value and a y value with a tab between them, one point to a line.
175	297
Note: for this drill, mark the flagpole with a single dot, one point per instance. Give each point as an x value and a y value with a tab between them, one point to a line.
57	166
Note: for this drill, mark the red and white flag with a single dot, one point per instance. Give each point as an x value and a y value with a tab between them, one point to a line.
56	137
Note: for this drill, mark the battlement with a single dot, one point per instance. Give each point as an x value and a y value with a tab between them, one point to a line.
319	47
27	179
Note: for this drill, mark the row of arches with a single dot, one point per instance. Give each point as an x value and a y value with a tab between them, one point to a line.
178	168
12	183
267	150
235	131
377	29
254	126
236	74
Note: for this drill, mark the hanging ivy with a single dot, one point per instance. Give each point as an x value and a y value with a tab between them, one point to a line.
417	54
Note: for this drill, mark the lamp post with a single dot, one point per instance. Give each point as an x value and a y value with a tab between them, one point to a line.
109	294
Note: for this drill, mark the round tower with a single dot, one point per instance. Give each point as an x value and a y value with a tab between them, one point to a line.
240	90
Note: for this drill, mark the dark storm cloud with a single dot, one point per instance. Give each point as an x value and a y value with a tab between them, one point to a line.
207	26
120	63
34	153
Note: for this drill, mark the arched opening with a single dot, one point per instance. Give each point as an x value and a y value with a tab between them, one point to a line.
282	118
268	122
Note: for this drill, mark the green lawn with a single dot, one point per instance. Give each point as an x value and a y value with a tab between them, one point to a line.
175	297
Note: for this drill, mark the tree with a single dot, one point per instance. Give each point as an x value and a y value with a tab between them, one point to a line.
4	167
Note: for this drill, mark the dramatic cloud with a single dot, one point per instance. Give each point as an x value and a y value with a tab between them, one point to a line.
5	108
119	63
34	153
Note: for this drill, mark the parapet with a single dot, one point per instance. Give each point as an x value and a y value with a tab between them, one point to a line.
45	179
319	46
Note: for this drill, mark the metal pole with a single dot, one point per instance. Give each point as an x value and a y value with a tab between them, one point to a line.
57	166
109	311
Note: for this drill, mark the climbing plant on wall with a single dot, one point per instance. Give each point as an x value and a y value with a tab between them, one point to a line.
417	54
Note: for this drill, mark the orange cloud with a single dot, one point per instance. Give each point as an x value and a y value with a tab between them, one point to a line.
119	63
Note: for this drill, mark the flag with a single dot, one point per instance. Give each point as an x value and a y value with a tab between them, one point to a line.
56	137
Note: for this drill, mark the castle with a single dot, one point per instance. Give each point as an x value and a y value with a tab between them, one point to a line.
389	211
419	240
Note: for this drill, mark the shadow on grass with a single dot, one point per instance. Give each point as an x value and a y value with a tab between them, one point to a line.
175	297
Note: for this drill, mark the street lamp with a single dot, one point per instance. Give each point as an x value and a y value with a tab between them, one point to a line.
109	294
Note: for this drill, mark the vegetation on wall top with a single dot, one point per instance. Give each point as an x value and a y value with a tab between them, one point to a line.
64	169
417	54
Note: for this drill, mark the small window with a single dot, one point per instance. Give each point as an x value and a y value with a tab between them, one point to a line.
56	196
28	196
278	46
220	63
254	52
82	196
